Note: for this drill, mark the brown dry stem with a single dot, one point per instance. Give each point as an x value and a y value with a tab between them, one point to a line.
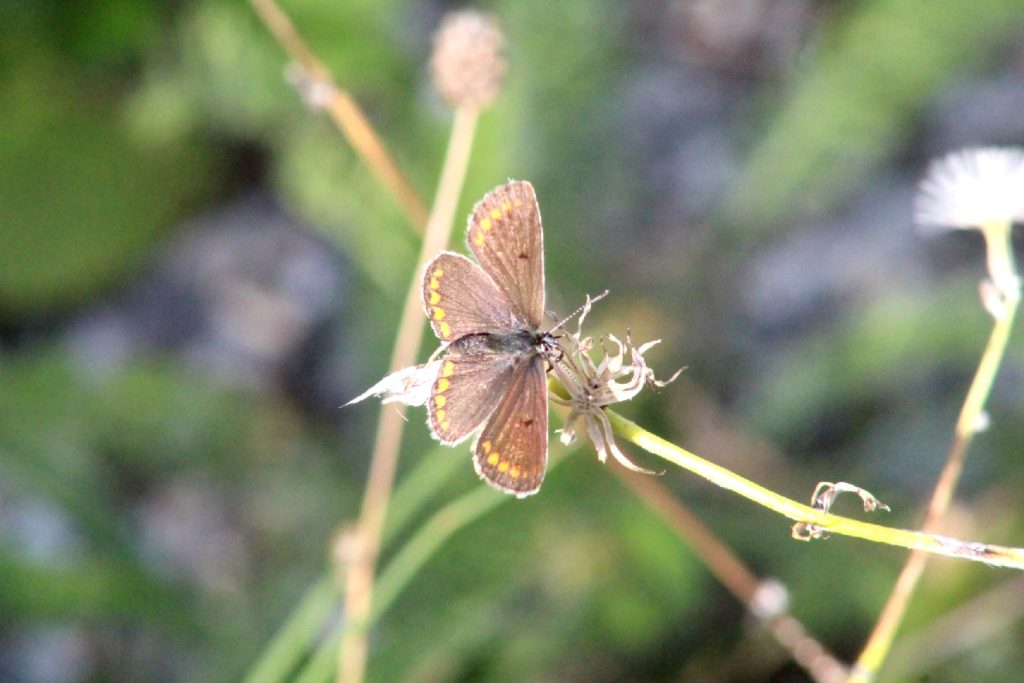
344	111
738	579
360	574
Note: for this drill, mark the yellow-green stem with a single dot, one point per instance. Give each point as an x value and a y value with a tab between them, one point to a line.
431	536
938	545
999	253
820	664
986	617
292	641
359	578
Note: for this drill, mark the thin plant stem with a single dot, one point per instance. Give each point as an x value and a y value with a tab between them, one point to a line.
428	539
959	631
879	643
292	641
359	578
345	112
826	522
458	514
737	578
320	667
715	555
308	620
417	487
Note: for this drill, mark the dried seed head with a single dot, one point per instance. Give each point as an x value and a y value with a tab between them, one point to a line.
468	64
981	188
972	187
594	385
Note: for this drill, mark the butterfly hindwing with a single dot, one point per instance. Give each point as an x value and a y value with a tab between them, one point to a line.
505	235
511	452
489	317
465	393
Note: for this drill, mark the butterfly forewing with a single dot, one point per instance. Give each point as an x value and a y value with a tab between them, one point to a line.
465	392
489	316
505	236
460	298
511	453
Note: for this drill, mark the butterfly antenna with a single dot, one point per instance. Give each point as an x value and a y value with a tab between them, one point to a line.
581	311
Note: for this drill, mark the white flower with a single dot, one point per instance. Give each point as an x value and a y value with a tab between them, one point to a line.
973	187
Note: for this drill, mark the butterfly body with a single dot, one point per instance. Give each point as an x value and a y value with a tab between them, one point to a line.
489	315
484	343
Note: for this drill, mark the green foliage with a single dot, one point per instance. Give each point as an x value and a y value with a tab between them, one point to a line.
123	120
852	106
83	200
95	449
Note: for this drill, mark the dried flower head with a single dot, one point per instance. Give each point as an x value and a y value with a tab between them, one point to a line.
410	385
592	386
973	187
468	64
620	374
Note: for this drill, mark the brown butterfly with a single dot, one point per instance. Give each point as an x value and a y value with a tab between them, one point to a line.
489	315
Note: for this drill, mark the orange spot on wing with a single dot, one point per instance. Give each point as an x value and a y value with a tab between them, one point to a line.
503	467
439	401
442	385
438	312
446	330
448	369
434	297
493	459
495	214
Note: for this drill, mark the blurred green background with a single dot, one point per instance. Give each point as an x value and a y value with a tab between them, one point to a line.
196	271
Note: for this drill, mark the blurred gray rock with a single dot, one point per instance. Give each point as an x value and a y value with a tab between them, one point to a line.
244	293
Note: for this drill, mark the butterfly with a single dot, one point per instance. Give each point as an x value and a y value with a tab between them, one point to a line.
488	315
